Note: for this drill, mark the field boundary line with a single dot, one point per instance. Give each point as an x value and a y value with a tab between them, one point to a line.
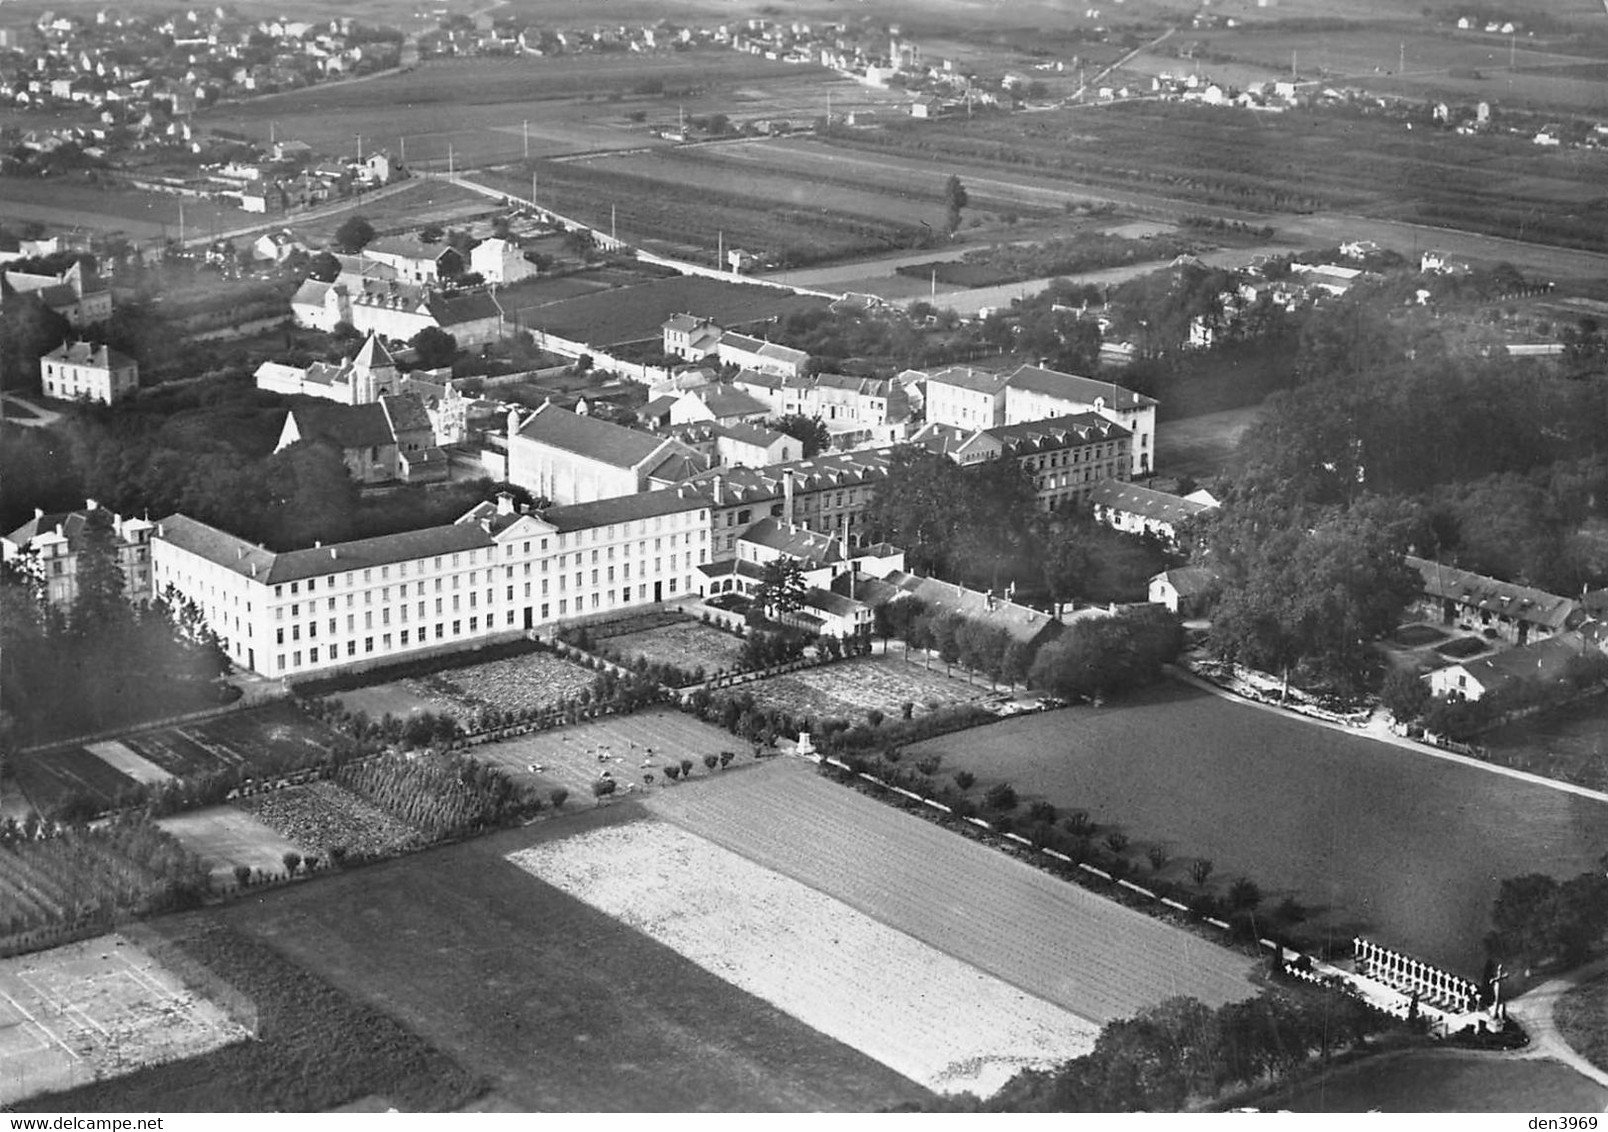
1389	740
37	1024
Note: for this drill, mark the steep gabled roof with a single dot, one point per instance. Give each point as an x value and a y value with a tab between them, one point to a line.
599	440
965	377
1492	595
798	543
405	411
345	426
622	509
1057	432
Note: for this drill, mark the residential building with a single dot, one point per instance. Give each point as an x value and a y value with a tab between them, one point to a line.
1035	393
500	261
722	404
1140	510
493	575
746	352
78	371
569	458
359	380
1517	614
829	492
1065	457
1027	627
415	261
690	337
739	445
849	406
49	546
966	398
1545	661
77	295
1185	590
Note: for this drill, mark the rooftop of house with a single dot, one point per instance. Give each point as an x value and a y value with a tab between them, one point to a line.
468	306
965	377
88	354
1077	390
759	348
1189	581
798	543
1058	432
410	246
70	525
598	440
658	407
684	323
1146	502
835	604
726	402
1020	622
623	509
311	293
940	439
1492	595
270	568
1541	662
732	486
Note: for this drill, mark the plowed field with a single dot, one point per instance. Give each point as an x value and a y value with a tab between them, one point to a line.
1052	939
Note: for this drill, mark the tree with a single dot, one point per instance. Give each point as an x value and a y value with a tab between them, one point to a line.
1001	797
811	432
316	494
28	330
602	788
324	267
1200	870
558	796
1404	694
431	234
781	588
435	347
717	124
354	234
955	199
1244	895
1522	919
292	861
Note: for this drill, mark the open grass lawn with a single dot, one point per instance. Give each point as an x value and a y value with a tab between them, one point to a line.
557	1005
1403	846
851	688
1445	1081
226	836
1582	1018
318	1046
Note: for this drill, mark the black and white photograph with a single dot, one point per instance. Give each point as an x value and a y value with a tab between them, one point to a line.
803	556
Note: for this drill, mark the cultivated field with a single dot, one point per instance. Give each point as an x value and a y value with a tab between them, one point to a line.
1054	940
322	815
551	1002
517	683
1375	838
96	1009
572	103
930	1017
685	643
569	756
635	314
852	687
51	778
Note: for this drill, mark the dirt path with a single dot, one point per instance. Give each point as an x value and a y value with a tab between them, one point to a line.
1536	1010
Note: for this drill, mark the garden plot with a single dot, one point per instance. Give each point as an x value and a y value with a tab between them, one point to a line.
686	644
120	757
853	687
323	815
227	837
96	1009
51	779
528	682
935	1019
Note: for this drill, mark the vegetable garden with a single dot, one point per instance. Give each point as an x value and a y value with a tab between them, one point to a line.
440	795
74	876
323	816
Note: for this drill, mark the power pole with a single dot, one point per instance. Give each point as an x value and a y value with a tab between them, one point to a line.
533	190
402	149
612	234
449	161
360	149
526	131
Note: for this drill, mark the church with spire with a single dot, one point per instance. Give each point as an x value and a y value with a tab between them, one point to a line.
360	380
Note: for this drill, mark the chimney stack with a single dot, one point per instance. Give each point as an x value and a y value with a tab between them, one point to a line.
719	500
787	497
333	553
505	503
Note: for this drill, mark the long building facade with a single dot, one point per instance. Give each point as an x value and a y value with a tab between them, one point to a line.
492	575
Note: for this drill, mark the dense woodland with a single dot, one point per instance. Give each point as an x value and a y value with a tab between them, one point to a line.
207	450
103	662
